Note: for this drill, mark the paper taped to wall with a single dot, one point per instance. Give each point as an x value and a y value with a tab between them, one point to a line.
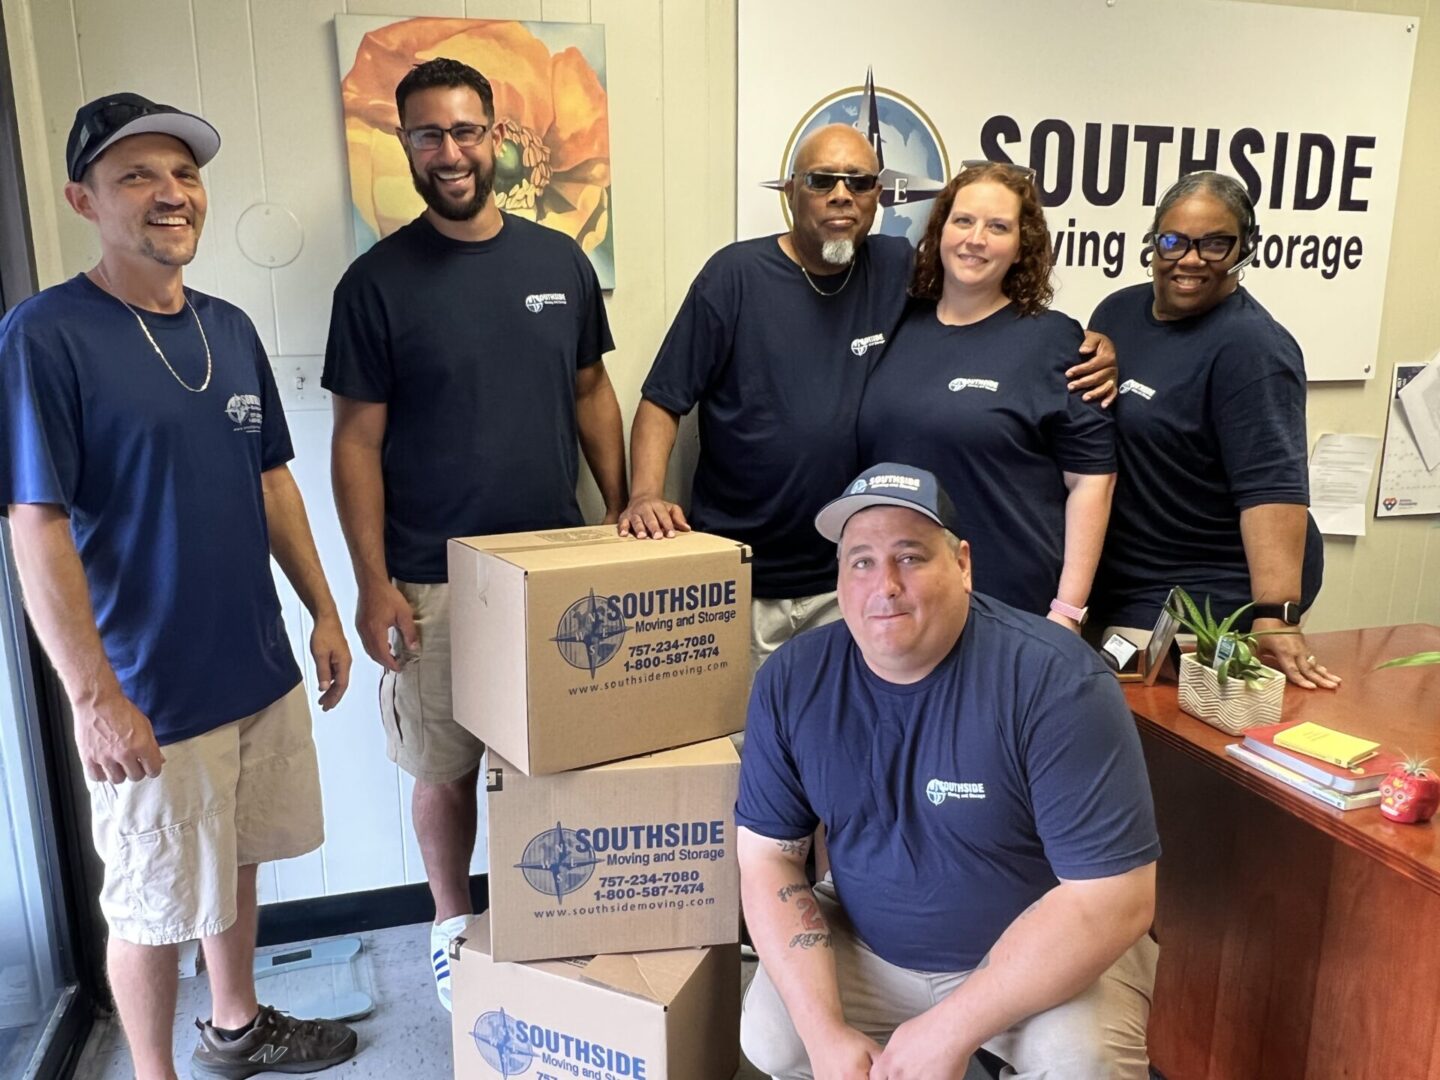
1406	486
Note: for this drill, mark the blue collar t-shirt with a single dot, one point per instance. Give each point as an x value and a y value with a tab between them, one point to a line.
986	409
473	347
953	803
1210	421
163	490
777	370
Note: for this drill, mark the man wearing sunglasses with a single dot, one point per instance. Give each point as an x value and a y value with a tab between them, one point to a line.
774	343
465	356
143	455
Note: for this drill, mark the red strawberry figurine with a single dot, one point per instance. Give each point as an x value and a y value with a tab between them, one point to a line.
1410	792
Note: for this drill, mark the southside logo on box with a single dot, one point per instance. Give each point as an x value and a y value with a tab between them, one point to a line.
511	1046
592	630
560	861
561	639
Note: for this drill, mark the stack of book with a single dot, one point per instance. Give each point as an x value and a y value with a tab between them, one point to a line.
1328	765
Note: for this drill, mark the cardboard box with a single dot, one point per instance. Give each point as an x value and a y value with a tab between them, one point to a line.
638	854
642	1016
576	646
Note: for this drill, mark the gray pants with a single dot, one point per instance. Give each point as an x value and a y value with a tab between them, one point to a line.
774	622
1097	1035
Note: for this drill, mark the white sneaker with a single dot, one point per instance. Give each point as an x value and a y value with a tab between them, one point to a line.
440	937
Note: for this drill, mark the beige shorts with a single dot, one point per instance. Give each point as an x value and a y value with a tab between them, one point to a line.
774	622
421	735
246	792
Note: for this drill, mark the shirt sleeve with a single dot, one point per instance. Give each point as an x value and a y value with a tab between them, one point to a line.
40	423
595	339
1081	435
693	353
1088	784
357	351
1257	397
275	445
772	799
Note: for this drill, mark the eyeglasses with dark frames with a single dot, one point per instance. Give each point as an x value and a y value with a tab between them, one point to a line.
1173	246
857	183
431	137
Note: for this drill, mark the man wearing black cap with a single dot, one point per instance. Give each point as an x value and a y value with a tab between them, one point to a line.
143	468
991	834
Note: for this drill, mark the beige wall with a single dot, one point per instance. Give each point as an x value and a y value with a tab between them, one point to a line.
268	78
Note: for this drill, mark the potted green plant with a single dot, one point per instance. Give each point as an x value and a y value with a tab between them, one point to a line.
1411	792
1235	691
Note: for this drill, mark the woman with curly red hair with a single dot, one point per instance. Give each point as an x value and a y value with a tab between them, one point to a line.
973	388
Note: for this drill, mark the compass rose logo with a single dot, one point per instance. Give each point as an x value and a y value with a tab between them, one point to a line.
589	634
557	862
495	1038
914	165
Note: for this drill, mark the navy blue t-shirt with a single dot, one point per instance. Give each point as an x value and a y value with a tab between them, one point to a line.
163	491
473	346
954	803
1209	422
985	408
778	371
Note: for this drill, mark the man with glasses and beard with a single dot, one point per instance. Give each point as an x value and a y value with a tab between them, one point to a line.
464	356
774	343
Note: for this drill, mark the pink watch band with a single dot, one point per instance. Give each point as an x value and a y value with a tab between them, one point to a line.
1070	611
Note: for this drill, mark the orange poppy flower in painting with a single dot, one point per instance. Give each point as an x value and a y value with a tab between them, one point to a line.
554	164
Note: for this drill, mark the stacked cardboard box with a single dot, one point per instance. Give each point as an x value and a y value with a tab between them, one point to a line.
603	673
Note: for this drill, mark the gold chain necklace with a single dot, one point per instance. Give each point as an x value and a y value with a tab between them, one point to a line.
209	363
821	291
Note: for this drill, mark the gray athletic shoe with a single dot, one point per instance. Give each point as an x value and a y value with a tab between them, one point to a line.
277	1043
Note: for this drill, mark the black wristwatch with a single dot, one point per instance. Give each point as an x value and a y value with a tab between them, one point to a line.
1288	612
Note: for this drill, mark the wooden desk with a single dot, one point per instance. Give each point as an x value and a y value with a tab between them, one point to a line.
1296	940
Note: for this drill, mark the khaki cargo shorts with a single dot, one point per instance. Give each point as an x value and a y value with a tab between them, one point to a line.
421	735
246	792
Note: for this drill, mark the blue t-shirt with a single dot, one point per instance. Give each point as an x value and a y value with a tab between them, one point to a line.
473	346
778	371
954	803
1209	422
163	491
985	408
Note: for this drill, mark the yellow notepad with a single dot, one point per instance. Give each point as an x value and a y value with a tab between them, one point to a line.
1321	742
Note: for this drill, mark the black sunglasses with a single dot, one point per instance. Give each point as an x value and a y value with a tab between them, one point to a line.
857	183
1173	246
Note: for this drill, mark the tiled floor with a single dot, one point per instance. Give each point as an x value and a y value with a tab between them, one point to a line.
408	1034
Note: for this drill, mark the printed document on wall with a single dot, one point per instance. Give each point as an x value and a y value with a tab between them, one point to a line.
1407	487
1340	471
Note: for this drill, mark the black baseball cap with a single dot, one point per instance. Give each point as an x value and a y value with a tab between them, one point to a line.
102	122
889	484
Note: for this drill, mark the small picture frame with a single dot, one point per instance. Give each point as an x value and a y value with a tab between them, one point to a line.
1157	652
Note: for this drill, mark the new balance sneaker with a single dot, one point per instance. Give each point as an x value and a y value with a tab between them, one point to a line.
276	1042
440	937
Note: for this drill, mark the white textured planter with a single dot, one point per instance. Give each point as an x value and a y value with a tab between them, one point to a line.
1234	706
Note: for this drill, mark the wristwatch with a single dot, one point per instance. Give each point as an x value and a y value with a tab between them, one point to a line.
1070	611
1288	612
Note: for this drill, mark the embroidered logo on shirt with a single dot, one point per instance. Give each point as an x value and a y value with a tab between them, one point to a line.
539	300
974	384
861	345
937	791
1134	386
245	411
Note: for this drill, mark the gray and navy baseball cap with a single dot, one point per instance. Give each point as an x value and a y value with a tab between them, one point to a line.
101	123
889	484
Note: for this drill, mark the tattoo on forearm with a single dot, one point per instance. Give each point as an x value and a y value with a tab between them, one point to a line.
810	916
790	890
810	939
795	847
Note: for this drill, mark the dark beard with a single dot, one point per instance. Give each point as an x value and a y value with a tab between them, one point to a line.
448	210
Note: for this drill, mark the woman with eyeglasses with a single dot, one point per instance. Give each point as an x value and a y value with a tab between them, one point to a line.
974	388
1210	428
